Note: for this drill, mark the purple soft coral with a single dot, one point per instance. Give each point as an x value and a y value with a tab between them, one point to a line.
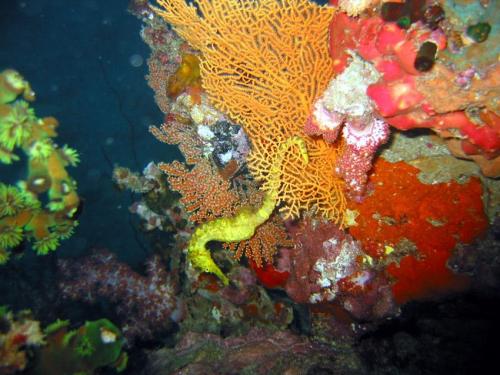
145	303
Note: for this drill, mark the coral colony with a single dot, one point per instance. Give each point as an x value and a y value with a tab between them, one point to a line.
343	155
22	215
361	74
145	303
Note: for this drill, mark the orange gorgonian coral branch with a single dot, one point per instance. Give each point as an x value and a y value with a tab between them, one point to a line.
263	63
264	244
180	132
205	194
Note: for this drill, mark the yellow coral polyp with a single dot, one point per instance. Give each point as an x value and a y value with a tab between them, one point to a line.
15	124
186	76
65	230
21	212
13	84
41	149
11	200
10	236
7	157
48	125
70	155
46	244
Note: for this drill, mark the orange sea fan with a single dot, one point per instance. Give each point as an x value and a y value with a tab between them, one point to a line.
205	194
158	75
182	134
266	241
263	63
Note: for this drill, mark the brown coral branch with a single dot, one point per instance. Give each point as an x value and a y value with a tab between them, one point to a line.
205	194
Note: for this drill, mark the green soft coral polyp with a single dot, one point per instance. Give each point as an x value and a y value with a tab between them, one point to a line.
39	209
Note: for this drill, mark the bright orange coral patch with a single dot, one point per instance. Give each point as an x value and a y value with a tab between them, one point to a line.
433	217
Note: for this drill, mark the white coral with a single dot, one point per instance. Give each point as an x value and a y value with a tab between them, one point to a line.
355	7
346	93
332	269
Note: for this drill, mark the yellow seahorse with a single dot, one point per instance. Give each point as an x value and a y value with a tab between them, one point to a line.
242	226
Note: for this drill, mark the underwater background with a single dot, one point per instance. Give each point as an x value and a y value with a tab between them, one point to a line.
87	64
